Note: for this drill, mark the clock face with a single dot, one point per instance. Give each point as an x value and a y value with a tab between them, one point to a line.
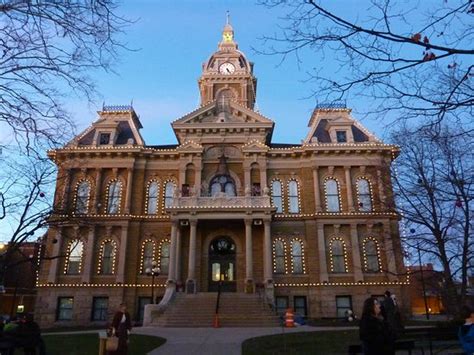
227	68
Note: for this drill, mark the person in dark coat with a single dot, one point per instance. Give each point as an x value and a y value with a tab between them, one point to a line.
466	331
374	331
29	335
121	326
391	314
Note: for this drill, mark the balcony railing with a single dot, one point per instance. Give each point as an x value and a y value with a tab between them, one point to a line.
221	202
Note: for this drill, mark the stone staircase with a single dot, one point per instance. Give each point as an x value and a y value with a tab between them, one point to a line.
235	310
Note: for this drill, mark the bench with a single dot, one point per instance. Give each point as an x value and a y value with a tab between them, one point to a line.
399	345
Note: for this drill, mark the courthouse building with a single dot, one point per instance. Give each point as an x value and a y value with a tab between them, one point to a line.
310	225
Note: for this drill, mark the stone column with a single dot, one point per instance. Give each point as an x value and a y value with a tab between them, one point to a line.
178	254
356	265
53	269
191	281
67	191
317	192
350	200
89	256
323	266
389	253
267	252
263	176
248	251
122	255
197	179
128	198
247	181
98	185
172	268
381	189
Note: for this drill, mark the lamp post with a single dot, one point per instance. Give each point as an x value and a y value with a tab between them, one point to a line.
154	270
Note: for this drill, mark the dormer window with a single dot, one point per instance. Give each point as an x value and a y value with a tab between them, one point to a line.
341	136
104	138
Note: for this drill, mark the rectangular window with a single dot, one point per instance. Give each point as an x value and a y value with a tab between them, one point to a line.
341	136
104	138
100	306
142	302
300	305
64	309
343	304
281	304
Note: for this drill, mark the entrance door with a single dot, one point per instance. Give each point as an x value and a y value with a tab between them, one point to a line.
222	265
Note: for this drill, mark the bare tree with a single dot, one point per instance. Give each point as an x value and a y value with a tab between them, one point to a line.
47	51
409	59
434	186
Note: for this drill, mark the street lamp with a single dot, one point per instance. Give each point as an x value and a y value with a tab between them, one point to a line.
154	270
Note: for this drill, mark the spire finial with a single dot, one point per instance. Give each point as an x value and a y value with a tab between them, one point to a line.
227	22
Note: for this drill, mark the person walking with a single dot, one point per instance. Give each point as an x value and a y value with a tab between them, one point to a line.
466	331
374	331
121	327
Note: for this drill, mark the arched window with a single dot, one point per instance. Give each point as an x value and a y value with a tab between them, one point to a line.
279	265
148	255
164	256
297	257
114	195
107	265
364	195
276	196
332	196
222	184
293	202
82	197
74	257
169	193
371	256
338	255
152	201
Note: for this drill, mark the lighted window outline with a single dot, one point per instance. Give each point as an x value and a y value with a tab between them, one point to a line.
364	199
114	199
301	256
82	197
279	197
74	255
375	255
162	258
150	198
331	195
145	261
294	182
168	194
278	256
343	255
109	259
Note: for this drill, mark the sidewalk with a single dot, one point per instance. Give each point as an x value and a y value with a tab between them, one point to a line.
215	341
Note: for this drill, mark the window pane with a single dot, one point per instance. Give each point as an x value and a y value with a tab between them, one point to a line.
216	271
114	197
169	193
75	256
107	258
277	202
293	188
64	311
300	305
229	189
297	265
82	197
147	256
341	136
332	196
343	304
280	264
165	257
365	201
99	308
152	198
281	304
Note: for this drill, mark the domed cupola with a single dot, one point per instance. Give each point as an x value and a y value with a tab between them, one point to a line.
228	74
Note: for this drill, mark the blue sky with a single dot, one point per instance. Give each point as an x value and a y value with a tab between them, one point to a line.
173	39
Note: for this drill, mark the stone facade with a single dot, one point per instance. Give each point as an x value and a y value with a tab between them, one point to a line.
313	224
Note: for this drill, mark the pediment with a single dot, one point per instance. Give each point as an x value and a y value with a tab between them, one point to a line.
233	113
190	146
255	147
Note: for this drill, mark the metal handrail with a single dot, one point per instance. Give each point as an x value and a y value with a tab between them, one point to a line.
216	315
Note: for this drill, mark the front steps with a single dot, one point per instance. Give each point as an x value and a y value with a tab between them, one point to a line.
235	310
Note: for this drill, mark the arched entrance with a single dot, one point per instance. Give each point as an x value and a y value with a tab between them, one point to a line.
222	265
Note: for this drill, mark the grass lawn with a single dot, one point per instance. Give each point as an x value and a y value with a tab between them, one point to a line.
324	342
86	344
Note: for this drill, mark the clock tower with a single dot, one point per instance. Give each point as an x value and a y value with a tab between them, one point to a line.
227	74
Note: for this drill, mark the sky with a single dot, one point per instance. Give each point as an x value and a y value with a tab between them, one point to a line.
171	40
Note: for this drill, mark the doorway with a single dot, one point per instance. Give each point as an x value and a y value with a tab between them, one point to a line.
222	266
